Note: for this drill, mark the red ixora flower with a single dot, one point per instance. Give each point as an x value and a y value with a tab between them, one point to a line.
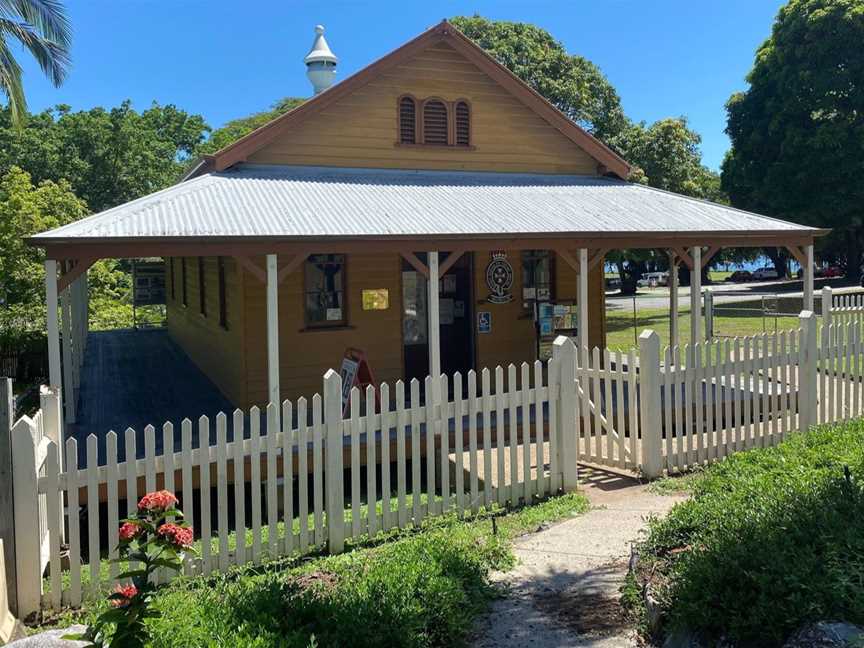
126	593
129	530
157	501
176	534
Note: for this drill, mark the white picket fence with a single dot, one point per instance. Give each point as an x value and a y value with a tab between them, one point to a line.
312	478
422	453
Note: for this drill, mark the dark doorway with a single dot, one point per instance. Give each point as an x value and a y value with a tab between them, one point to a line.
455	314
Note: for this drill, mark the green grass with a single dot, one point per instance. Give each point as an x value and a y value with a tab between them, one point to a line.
620	325
772	539
418	588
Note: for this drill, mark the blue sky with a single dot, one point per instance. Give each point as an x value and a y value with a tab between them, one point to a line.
227	59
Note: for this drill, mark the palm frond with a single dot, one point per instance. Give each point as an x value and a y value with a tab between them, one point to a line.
47	17
53	59
10	83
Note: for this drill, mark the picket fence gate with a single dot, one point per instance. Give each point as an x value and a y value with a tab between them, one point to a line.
455	445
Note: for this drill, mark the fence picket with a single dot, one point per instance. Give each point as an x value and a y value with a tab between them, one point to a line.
239	457
113	478
255	486
303	473
92	514
632	398
485	385
512	404
287	447
149	459
318	467
356	514
384	426
472	440
526	433
416	487
371	460
204	493
500	442
539	486
431	425
401	458
74	522
52	498
458	441
222	488
131	478
607	407
442	432
272	443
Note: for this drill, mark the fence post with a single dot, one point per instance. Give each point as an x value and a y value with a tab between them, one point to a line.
333	473
564	351
827	304
708	295
807	384
27	537
650	421
7	503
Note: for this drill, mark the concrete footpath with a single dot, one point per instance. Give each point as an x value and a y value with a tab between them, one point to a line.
564	591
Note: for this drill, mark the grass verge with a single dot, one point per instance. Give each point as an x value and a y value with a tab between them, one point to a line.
772	539
414	588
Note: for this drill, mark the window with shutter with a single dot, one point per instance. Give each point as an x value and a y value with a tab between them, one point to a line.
435	122
407	120
463	124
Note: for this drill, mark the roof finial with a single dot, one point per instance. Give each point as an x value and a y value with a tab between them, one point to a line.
320	62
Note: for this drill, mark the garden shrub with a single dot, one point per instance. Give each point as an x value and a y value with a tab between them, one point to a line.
772	538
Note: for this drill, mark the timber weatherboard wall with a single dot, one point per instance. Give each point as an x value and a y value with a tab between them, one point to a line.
361	130
217	351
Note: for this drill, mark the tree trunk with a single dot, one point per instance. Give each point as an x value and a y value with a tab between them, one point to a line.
779	260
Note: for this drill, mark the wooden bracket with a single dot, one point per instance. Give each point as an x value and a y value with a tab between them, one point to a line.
596	257
709	254
684	256
451	259
569	259
799	254
254	269
73	271
291	266
418	265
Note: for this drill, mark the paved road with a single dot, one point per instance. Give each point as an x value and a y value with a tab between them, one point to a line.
724	293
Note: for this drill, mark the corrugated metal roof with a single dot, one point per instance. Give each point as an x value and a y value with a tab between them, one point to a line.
282	201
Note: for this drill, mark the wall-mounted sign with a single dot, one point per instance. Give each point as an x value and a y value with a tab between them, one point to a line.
148	282
376	299
499	279
356	372
484	322
445	311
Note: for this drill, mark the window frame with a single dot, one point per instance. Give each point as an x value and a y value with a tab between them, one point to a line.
222	292
326	324
550	255
184	276
202	287
470	143
447	118
399	101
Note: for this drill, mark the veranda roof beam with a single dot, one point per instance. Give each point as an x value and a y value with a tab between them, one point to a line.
252	267
416	263
79	267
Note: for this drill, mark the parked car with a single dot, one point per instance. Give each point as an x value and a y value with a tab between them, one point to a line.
832	271
765	273
650	279
740	276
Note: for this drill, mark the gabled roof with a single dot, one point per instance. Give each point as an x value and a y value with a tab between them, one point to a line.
297	203
444	31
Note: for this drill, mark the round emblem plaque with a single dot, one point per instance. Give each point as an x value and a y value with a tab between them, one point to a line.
499	279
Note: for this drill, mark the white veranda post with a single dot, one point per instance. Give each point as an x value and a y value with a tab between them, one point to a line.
673	299
696	296
582	298
272	329
434	322
808	279
53	323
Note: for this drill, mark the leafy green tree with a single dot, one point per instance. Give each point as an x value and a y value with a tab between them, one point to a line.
798	131
237	128
27	209
108	156
41	28
574	84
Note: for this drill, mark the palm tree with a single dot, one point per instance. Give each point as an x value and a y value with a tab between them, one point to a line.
42	28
